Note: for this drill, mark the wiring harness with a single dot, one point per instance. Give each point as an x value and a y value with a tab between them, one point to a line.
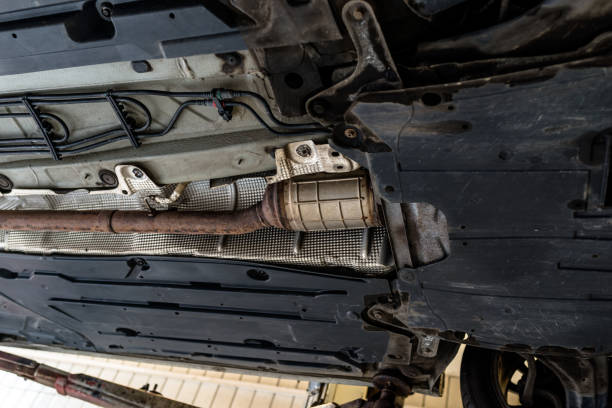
55	134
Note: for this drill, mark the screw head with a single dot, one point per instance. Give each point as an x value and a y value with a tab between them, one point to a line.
108	178
106	9
304	150
428	341
233	59
318	108
138	173
350	133
358	14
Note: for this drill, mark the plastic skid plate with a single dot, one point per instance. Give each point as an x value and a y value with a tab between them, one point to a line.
520	167
206	311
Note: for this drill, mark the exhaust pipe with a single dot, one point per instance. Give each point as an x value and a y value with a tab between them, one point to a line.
307	205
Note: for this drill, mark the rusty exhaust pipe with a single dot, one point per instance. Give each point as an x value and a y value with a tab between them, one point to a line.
300	206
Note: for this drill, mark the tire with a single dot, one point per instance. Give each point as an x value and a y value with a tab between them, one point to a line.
486	380
478	386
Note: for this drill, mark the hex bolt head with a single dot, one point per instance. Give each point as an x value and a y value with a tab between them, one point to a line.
106	9
428	341
358	14
138	173
304	150
233	59
318	108
108	178
350	133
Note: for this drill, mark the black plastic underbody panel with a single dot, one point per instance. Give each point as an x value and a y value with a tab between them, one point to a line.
520	169
52	34
198	310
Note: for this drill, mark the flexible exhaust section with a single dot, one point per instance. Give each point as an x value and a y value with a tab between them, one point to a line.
310	205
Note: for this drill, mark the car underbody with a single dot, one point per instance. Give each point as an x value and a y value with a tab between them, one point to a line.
346	190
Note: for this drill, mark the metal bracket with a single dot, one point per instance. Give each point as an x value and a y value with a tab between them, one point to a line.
122	119
375	70
428	345
41	126
137	266
301	158
390	386
399	351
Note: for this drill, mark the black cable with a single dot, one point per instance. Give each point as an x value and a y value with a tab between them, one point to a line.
55	98
176	116
73	148
60	146
269	128
268	109
163	132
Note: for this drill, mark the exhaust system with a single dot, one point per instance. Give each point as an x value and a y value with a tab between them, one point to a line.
307	205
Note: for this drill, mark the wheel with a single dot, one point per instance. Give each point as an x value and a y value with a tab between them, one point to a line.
494	379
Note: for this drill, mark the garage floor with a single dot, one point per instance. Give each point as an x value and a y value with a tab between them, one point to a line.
198	387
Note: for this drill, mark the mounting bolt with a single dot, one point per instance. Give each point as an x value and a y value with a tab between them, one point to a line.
304	150
350	133
138	173
231	60
427	341
358	14
318	108
106	9
108	178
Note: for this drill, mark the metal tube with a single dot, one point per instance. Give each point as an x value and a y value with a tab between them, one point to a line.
313	205
48	220
119	222
265	214
189	223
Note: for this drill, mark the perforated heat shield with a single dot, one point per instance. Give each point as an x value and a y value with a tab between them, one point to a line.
364	250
